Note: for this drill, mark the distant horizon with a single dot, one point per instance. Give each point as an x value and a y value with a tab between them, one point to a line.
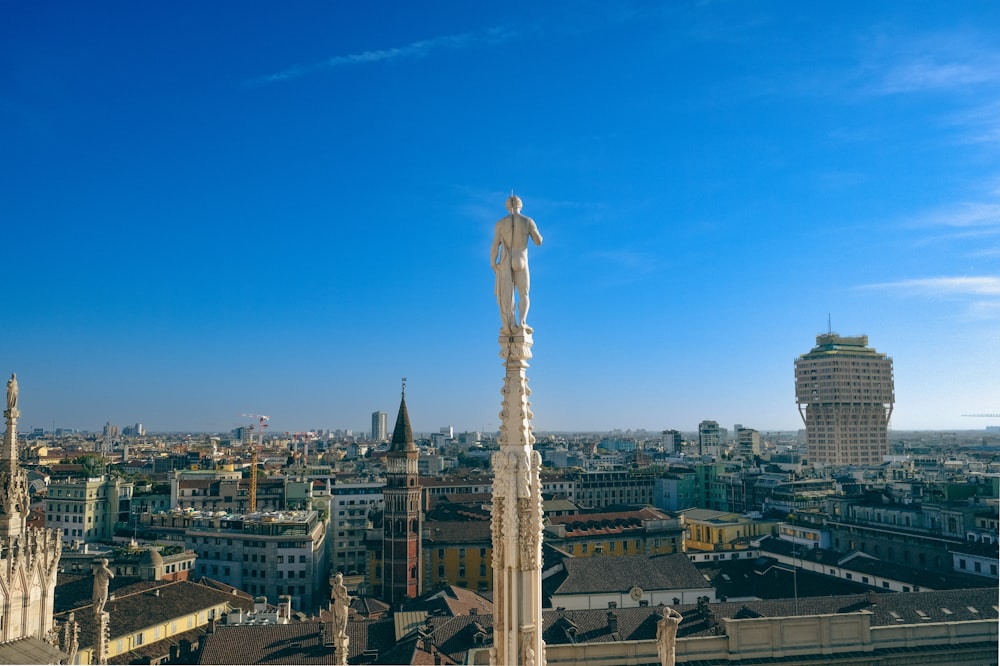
424	434
286	209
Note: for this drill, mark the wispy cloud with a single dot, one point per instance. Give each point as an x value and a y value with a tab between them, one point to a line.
964	216
977	296
927	75
973	221
417	49
931	63
943	286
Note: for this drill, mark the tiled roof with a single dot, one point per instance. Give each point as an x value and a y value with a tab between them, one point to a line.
159	650
138	606
619	574
30	650
458	531
373	642
452	600
633	516
293	643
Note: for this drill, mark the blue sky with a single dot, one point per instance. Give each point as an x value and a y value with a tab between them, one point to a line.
215	208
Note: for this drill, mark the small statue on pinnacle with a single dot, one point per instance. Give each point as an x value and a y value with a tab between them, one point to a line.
509	260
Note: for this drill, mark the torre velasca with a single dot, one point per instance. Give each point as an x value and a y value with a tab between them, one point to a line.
844	390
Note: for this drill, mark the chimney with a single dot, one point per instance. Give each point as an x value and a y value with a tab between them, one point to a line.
612	622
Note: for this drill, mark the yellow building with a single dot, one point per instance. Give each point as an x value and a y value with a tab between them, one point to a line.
718	530
648	531
143	619
457	552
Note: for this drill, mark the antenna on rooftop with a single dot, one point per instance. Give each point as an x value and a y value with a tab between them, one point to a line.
829	324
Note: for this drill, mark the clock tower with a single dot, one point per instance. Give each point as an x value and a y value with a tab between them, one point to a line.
403	519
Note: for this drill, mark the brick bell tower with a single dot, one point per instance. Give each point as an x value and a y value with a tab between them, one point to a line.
403	519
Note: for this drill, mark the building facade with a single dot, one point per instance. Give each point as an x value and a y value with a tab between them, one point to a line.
845	394
264	554
647	531
87	509
351	502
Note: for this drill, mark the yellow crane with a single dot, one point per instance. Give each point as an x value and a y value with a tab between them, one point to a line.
262	421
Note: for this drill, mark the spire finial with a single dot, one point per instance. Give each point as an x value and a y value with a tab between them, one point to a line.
404	387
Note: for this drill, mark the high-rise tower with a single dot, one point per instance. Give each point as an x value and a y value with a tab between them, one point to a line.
844	390
380	426
402	519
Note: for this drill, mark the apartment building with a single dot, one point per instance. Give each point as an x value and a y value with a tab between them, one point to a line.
87	509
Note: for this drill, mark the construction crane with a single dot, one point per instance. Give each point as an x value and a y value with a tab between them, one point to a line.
300	444
985	416
262	420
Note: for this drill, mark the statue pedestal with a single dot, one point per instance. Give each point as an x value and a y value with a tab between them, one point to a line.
517	517
340	650
103	635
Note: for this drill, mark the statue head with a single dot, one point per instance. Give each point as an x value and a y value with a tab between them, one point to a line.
513	204
339	577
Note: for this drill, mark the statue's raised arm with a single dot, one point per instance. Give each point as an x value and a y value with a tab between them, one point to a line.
509	259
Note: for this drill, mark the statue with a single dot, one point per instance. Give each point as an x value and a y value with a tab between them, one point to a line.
509	260
102	578
666	636
12	392
341	602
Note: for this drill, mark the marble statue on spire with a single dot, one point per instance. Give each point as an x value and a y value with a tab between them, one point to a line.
516	522
509	260
12	392
102	579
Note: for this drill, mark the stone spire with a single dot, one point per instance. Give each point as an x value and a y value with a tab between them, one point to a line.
14	496
402	434
8	455
29	556
517	490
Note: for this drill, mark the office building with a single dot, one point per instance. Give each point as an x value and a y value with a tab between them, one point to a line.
271	554
711	439
351	502
380	426
844	391
673	441
748	442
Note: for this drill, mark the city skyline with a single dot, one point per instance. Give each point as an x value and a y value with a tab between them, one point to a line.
285	210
